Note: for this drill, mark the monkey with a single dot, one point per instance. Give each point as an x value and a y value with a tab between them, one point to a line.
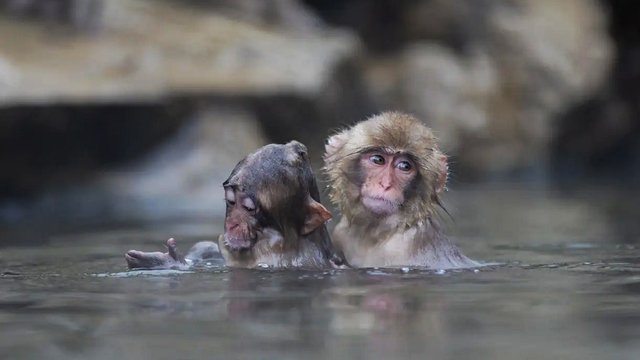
273	217
386	175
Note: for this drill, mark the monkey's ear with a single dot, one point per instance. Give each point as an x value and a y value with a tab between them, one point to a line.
443	169
316	216
335	142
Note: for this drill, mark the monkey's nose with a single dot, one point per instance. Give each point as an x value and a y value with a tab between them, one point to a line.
385	186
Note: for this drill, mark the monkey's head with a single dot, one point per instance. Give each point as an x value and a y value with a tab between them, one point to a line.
272	188
388	164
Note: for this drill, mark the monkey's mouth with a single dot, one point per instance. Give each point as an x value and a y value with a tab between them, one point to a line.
380	205
236	244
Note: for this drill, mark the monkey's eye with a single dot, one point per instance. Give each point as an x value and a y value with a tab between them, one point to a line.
248	205
377	159
404	166
230	196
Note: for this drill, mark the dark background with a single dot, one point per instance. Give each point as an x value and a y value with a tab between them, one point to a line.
117	111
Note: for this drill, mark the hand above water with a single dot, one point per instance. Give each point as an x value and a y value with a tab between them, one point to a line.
154	260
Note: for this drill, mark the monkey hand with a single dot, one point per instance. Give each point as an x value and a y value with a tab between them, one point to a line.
157	260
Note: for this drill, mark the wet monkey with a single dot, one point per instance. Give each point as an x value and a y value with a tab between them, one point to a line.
386	176
273	217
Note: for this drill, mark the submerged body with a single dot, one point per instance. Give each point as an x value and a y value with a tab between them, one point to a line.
419	246
273	217
271	251
386	175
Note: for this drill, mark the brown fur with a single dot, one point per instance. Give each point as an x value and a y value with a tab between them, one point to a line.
285	229
280	179
409	237
274	251
387	130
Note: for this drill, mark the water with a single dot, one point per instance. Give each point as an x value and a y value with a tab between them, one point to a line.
567	288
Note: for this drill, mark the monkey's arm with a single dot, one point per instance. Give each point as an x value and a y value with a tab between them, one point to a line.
172	259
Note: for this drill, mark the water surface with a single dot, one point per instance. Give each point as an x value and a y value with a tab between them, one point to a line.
568	288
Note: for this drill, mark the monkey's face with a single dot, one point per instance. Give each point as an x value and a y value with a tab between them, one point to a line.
240	224
269	193
385	179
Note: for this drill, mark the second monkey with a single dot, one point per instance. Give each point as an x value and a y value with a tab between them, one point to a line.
386	175
273	217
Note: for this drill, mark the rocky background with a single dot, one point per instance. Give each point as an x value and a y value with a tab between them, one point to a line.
134	110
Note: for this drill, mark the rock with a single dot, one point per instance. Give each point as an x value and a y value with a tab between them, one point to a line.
288	15
150	50
246	62
491	77
185	175
181	178
500	75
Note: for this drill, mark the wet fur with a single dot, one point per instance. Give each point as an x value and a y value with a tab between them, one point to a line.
280	181
411	237
269	250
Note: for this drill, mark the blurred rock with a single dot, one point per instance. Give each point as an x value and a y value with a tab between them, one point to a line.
184	177
149	50
180	178
599	139
249	65
61	146
495	76
84	16
288	15
492	78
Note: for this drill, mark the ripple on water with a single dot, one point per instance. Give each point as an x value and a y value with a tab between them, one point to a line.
132	273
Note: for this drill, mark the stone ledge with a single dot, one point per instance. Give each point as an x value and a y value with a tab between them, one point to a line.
148	50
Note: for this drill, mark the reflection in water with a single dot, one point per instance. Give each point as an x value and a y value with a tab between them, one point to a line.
568	290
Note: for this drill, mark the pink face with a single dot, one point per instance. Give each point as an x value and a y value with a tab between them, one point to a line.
240	225
386	177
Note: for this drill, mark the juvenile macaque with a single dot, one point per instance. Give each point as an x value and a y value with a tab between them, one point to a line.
273	217
386	176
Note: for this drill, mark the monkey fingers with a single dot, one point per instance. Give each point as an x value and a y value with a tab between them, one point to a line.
338	262
156	260
174	252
